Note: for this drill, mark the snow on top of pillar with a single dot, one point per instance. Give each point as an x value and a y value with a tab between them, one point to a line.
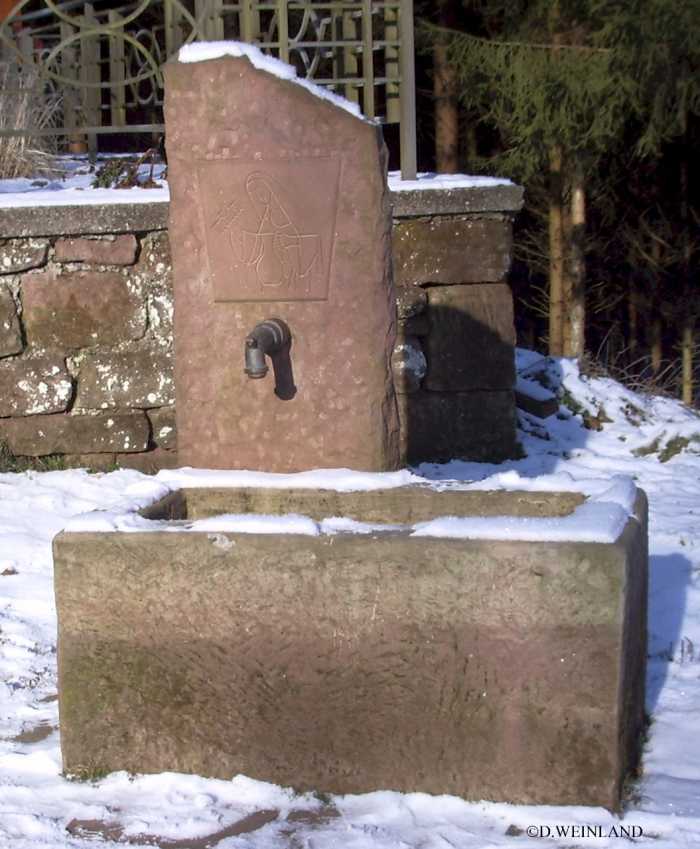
201	51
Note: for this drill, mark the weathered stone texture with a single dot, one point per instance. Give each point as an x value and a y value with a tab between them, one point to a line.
502	670
148	462
80	309
451	250
278	212
30	387
10	331
64	220
163	427
417	325
440	426
142	378
155	270
110	250
22	254
410	301
498	198
408	364
71	434
471	344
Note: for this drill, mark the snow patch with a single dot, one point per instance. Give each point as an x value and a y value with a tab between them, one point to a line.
427	180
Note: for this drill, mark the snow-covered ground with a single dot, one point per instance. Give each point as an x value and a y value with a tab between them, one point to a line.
654	440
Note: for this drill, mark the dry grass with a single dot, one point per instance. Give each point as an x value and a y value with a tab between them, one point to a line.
26	102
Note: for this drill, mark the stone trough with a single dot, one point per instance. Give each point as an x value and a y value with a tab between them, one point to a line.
240	630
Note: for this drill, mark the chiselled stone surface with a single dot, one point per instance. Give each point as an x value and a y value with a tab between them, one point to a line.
472	338
75	434
163	427
106	250
279	208
451	250
10	331
142	378
80	309
348	663
22	254
30	387
441	426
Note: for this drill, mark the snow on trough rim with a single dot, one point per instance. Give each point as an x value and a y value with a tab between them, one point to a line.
37	804
601	518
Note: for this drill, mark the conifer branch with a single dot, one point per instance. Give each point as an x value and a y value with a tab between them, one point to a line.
535	45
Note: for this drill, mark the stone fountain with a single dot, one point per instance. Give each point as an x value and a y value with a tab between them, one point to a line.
388	636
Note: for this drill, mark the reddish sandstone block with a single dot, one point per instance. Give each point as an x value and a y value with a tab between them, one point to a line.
30	387
279	209
68	434
107	250
10	332
80	309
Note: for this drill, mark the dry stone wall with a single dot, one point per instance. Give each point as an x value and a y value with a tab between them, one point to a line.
86	348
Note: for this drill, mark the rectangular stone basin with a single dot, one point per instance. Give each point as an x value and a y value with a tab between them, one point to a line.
348	662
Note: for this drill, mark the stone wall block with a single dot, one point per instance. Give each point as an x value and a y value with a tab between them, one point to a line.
10	330
31	387
441	426
22	254
149	462
70	434
472	338
410	301
163	428
460	249
408	364
155	269
106	250
417	325
142	378
80	309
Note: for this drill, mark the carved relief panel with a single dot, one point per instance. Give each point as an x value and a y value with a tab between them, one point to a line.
269	226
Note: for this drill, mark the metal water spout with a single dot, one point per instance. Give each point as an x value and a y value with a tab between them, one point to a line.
268	337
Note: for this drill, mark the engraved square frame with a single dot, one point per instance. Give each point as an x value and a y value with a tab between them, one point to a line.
269	226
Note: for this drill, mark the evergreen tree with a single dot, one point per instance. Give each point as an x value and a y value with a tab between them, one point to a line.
560	80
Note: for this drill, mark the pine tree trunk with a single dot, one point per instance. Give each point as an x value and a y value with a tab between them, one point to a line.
471	146
445	94
556	254
446	114
575	279
687	351
688	329
632	322
656	345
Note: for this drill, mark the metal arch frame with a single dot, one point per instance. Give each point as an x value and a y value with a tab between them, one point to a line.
363	48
